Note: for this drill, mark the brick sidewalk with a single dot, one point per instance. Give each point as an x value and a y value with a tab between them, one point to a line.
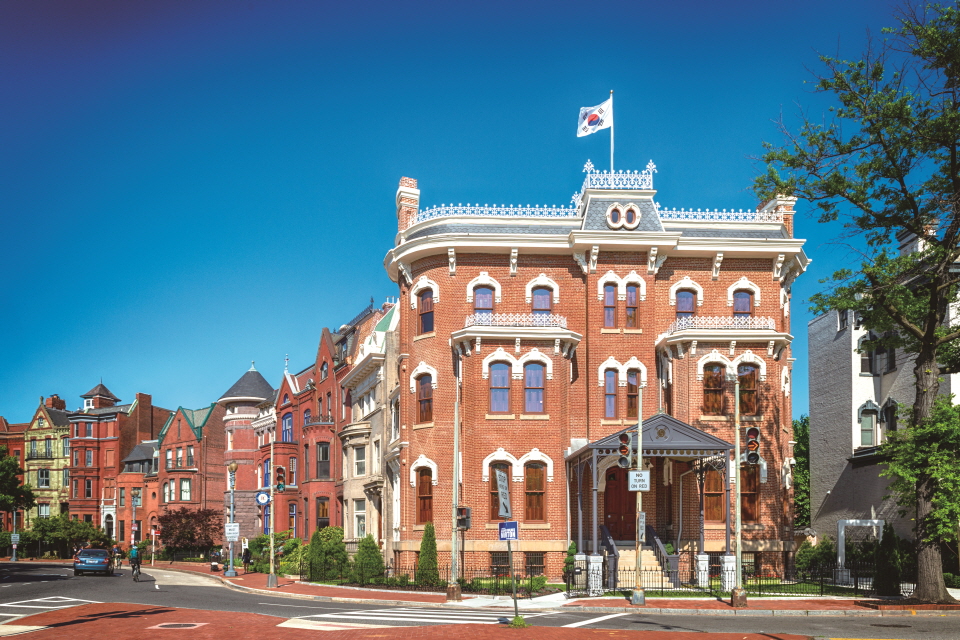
124	621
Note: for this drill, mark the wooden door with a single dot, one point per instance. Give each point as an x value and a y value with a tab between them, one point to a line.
620	505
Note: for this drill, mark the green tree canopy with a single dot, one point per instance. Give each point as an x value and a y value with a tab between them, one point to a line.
886	161
801	472
188	529
14	495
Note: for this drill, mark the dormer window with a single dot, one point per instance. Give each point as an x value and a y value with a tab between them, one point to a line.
88	403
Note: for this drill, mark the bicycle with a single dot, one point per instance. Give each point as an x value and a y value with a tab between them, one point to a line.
135	567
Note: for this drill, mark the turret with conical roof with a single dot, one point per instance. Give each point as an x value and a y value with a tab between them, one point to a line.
251	386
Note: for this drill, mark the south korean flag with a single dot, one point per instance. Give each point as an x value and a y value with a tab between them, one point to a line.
592	119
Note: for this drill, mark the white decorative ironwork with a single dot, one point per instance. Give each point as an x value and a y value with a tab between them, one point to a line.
721	322
721	215
515	320
495	211
588	167
619	179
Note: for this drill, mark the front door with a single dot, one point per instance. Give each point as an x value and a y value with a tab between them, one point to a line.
620	505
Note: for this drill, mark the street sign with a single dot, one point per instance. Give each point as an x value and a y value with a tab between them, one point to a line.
14	537
14	545
232	531
503	494
133	527
642	526
639	480
509	531
263	498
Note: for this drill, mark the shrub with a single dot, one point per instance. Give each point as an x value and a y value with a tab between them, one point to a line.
887	577
569	561
427	572
368	562
813	558
538	583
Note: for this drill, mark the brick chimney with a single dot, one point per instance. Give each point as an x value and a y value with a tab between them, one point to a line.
408	203
55	402
783	204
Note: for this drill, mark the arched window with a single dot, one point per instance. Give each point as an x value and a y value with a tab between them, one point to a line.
748	389
323	371
286	432
425	399
686	303
541	301
609	305
889	415
633	393
533	385
292	524
615	216
425	310
307	417
286	399
868	428
633	312
483	301
266	473
713	375
166	492
424	495
610	393
535	484
494	493
742	304
499	387
630	217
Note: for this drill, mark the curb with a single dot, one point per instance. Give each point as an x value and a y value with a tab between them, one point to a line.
866	613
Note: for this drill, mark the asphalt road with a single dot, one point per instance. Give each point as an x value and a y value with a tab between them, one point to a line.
32	587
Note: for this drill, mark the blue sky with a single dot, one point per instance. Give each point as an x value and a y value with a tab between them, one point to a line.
189	186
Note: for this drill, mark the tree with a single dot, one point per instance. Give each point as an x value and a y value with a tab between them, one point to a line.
887	161
186	529
887	578
14	495
328	553
368	562
801	472
428	572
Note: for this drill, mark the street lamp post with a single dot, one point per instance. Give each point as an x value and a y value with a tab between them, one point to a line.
738	596
272	578
232	468
13	558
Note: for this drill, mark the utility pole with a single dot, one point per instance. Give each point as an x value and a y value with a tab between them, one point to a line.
272	578
232	469
738	597
639	595
453	587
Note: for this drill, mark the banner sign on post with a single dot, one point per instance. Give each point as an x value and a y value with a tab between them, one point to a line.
509	531
14	537
639	480
503	494
232	531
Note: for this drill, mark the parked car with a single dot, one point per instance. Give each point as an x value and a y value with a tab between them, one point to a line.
93	561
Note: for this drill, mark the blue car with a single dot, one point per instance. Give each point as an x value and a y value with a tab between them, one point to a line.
93	561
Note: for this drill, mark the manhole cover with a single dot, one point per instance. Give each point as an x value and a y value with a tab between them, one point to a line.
178	625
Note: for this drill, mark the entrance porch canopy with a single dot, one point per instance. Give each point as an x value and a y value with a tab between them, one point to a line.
663	437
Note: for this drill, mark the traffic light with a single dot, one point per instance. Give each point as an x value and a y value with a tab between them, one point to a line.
281	479
753	445
463	517
628	450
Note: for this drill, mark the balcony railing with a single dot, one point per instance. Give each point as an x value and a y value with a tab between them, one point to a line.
496	211
721	216
41	455
179	464
327	419
515	320
722	322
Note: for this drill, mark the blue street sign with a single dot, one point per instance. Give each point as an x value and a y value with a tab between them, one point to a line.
508	531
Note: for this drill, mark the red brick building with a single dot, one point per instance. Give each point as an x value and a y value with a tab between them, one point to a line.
102	434
559	327
11	437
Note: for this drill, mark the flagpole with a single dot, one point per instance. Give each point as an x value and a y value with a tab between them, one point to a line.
611	132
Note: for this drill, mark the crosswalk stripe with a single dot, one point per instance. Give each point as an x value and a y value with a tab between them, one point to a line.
592	620
397	619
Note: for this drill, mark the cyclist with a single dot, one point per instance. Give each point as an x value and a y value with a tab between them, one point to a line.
118	555
134	558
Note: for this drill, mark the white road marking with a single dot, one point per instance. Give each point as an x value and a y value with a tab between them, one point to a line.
403	614
592	620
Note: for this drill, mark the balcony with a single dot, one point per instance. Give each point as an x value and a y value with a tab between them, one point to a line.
511	326
724	329
320	420
179	464
41	455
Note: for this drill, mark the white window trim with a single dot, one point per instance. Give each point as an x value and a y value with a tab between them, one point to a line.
631	278
535	455
622	224
423	461
484	279
500	355
543	280
419	370
713	356
423	283
500	455
749	357
612	363
743	285
534	355
685	283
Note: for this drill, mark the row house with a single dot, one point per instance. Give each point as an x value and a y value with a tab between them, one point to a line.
11	438
47	450
102	434
559	328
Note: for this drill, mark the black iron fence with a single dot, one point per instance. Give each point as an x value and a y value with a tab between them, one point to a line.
492	581
854	579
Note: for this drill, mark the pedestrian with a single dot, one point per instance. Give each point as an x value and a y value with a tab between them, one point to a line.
245	556
118	554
